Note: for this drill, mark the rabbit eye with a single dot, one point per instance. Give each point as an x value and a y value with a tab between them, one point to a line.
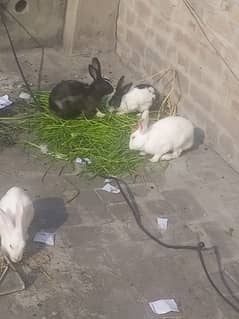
133	137
11	246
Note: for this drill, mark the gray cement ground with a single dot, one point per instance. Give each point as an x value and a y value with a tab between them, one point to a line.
102	265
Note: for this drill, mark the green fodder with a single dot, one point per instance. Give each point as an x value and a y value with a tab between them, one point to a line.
103	140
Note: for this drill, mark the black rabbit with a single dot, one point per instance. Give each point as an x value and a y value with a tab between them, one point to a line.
70	99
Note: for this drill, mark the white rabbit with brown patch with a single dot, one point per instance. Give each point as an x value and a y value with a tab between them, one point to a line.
166	139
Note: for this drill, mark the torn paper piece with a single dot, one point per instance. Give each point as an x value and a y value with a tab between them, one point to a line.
162	222
45	238
4	101
24	96
163	306
81	161
44	148
110	189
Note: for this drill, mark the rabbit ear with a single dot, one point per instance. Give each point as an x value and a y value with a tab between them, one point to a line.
126	88
144	121
24	217
120	83
19	215
5	220
140	125
93	72
96	64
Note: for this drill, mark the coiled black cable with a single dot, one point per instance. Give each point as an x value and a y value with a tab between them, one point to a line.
38	43
199	248
3	19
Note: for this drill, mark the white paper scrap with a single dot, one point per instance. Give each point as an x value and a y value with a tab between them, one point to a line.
24	96
110	189
81	161
4	101
163	306
44	148
162	222
45	238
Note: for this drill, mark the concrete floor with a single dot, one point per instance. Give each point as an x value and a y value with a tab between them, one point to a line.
102	265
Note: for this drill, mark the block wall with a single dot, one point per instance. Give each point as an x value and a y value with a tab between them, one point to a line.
154	35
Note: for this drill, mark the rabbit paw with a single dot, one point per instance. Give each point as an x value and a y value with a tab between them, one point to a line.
170	156
155	158
100	114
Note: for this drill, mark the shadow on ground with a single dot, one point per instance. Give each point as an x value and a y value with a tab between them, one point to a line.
50	215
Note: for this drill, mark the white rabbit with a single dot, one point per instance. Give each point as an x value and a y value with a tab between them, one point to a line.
166	139
138	99
16	214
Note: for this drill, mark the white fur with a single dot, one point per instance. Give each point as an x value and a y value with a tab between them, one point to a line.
16	214
137	100
166	139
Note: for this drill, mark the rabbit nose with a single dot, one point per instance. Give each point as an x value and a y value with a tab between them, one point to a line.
16	259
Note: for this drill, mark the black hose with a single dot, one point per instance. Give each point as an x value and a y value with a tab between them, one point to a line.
38	43
199	248
17	60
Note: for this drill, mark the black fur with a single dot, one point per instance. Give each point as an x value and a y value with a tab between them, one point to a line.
156	102
143	86
70	99
120	91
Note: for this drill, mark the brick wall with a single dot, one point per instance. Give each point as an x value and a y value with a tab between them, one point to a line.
156	34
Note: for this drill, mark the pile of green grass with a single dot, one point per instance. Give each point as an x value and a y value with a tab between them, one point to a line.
103	140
